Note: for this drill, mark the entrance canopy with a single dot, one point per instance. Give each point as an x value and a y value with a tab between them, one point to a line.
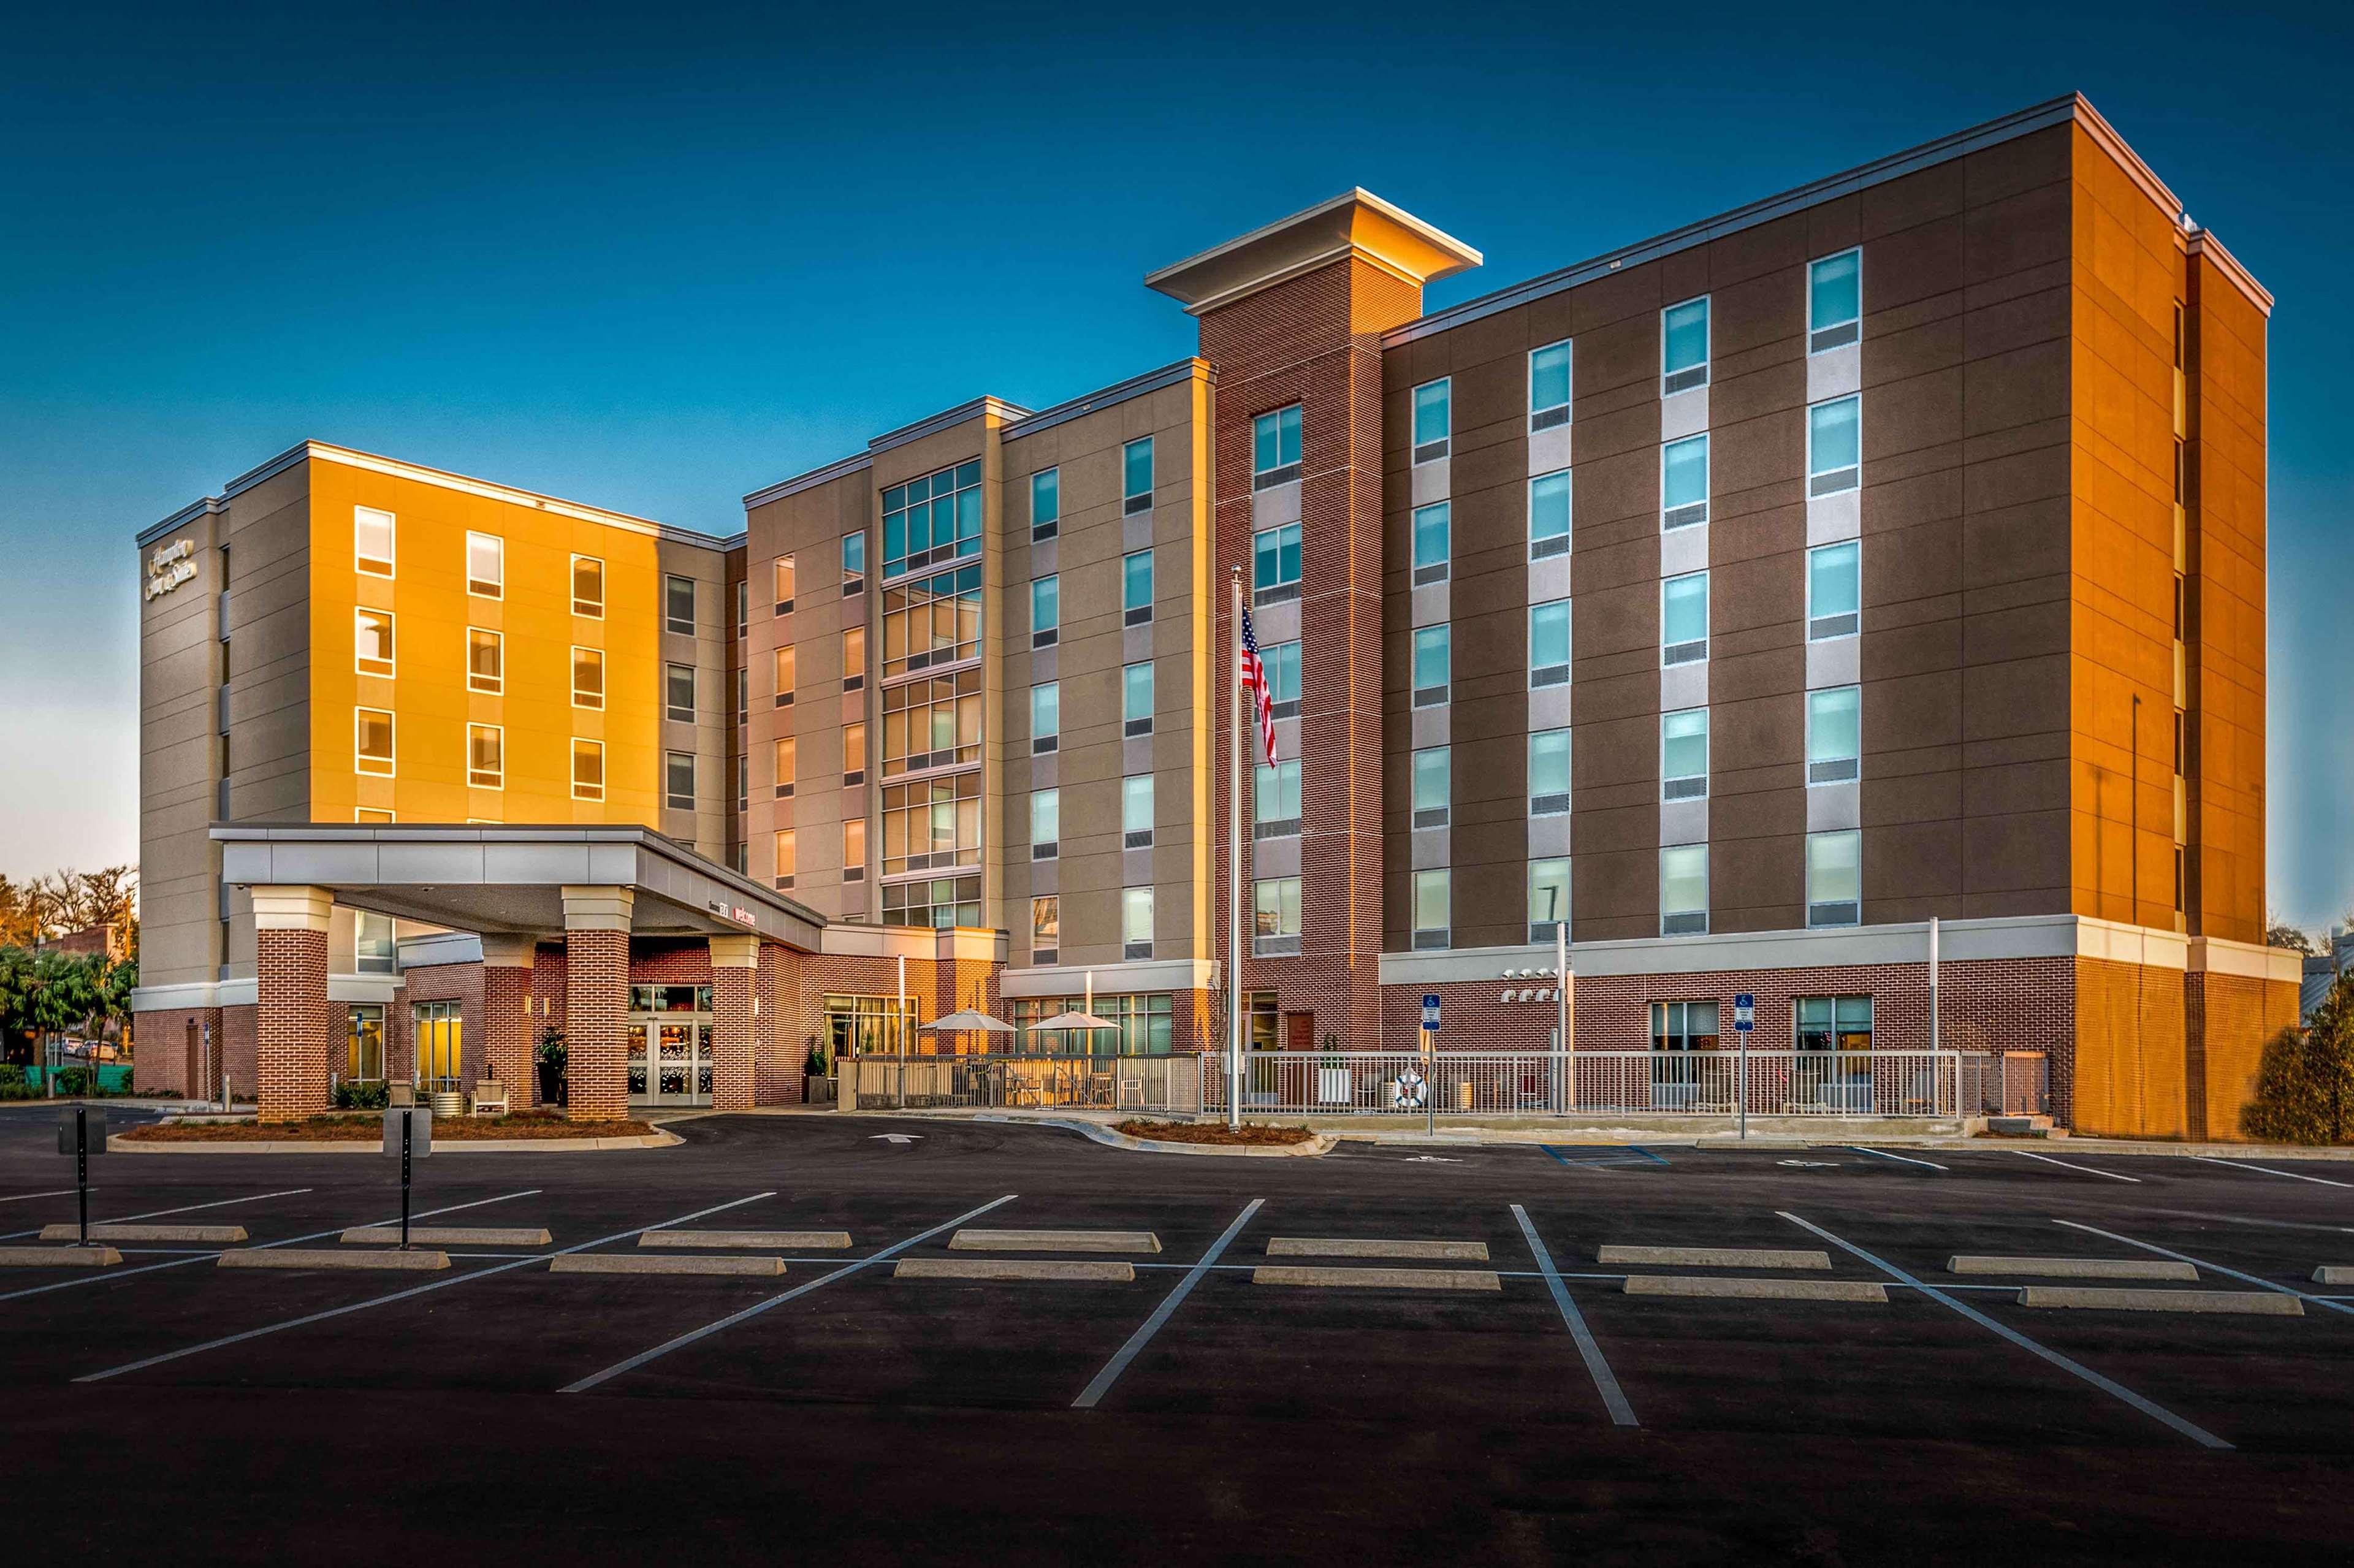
511	877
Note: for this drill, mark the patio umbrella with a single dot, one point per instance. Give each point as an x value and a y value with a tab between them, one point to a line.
968	1020
1084	1018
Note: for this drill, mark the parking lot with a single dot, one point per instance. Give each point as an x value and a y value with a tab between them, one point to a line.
1520	1391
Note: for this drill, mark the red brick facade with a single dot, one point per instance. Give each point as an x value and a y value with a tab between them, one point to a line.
597	1010
732	1074
506	1031
292	1046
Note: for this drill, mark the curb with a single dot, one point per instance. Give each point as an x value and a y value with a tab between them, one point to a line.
116	1143
1316	1147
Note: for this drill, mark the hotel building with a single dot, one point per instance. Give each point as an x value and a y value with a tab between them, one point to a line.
1885	552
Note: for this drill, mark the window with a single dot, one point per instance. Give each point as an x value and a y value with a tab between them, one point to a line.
1046	610
1834	446
1548	387
783	590
1045	504
1549	644
1834	734
1274	448
1275	916
1684	755
486	765
588	678
485	660
1275	800
1136	477
932	724
743	609
1432	645
372	642
1433	908
1136	810
359	814
932	825
1274	564
1834	591
1834	301
587	769
1045	717
931	623
678	780
1045	823
371	541
743	797
1683	619
1136	588
1136	699
372	742
1282	661
1434	419
1684	346
853	753
1834	878
1136	922
1045	929
1434	786
788	859
854	562
486	566
678	692
2179	592
589	587
1548	898
1433	524
930	520
2181	476
1683	482
364	1052
788	753
1548	772
854	849
854	659
1144	1026
1549	515
2178	736
678	605
1685	1027
375	947
1683	890
1831	1023
785	682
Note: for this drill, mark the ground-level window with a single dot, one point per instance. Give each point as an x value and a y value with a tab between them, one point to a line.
1683	1025
438	1030
1145	1024
864	1025
1833	1023
363	1061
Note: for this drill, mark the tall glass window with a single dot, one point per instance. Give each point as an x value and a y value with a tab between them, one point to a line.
1834	301
1834	878
932	824
485	660
372	641
1434	786
1434	419
587	677
1274	448
1549	515
1136	698
1136	588
933	519
486	566
786	661
1683	482
1549	644
1434	909
1136	810
372	533
780	576
787	764
1274	564
1684	346
1274	800
1045	929
1432	545
1046	502
1045	716
678	785
788	856
1548	896
1834	446
376	947
1832	1022
587	769
589	587
1433	646
1834	591
854	562
1282	661
1549	387
1275	911
372	742
1834	734
1683	890
678	605
932	722
1684	755
1136	922
1548	772
1683	619
931	622
678	693
1045	823
1136	476
1046	610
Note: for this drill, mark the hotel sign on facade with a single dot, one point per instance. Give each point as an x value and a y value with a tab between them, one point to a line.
169	567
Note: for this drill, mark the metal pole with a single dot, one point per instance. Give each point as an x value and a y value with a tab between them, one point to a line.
1561	1006
405	1129
1237	1022
899	1031
81	1166
1744	1085
1934	1067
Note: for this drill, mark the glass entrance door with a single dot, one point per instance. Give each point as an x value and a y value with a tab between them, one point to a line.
436	1029
670	1045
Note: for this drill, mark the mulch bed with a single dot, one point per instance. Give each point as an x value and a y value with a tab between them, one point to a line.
1209	1132
368	1127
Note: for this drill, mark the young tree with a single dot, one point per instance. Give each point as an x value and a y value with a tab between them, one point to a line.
2278	934
2305	1085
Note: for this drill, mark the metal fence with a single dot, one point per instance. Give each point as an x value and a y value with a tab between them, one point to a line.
1024	1081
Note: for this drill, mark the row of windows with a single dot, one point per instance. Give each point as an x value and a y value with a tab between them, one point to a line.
1135	489
374	754
1136	700
373	531
1135	598
1135	927
1136	817
1817	1023
854	852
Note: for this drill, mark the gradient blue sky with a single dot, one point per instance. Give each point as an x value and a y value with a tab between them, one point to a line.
653	259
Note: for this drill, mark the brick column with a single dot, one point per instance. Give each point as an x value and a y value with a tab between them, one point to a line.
597	1001
293	1054
735	963
507	1035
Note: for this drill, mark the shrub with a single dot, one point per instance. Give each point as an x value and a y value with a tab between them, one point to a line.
13	1085
73	1083
2304	1084
350	1095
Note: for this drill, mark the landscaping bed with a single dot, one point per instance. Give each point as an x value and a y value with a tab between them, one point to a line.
1214	1133
370	1129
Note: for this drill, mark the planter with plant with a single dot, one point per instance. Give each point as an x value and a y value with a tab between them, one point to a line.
550	1057
814	1073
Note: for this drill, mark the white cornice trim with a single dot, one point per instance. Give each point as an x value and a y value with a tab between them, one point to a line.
839	468
2204	243
2216	956
1111	979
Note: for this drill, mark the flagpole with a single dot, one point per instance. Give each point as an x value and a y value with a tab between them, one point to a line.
1234	1021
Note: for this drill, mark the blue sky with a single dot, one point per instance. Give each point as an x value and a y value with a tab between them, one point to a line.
654	259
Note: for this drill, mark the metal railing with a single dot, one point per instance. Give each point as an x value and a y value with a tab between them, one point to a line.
1026	1082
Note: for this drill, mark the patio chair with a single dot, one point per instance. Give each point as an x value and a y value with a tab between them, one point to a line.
490	1098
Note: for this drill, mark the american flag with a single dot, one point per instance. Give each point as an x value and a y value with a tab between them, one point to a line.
1254	678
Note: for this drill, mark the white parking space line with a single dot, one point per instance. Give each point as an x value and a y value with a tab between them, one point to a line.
1905	1159
289	1241
184	1209
1597	1366
2202	1262
2109	1386
60	1192
1100	1384
2244	1165
395	1296
2030	1154
846	1269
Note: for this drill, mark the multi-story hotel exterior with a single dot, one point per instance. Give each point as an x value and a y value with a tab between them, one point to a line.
1889	551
